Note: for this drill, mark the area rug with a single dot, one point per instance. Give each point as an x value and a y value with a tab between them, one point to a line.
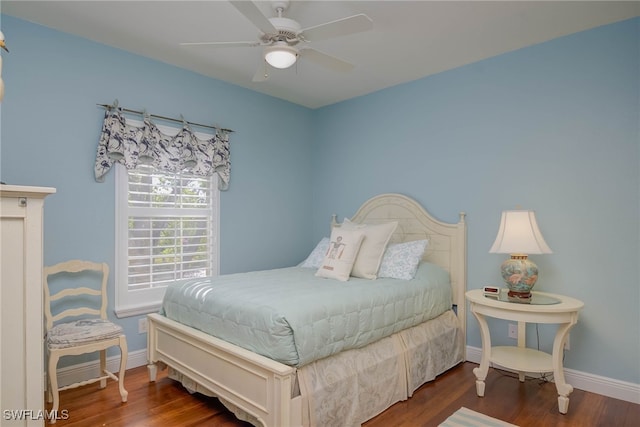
465	417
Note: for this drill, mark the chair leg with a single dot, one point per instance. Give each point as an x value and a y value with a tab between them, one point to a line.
103	367
123	365
53	385
49	393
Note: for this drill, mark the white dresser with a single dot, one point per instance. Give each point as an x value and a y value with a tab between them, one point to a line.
21	328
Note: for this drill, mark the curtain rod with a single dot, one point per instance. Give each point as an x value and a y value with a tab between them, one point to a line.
171	119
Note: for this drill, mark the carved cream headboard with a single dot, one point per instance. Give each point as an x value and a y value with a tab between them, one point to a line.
447	241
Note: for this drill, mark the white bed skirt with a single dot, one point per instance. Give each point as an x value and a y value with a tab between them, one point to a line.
354	386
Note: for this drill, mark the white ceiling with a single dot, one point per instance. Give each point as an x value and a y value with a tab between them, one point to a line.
409	40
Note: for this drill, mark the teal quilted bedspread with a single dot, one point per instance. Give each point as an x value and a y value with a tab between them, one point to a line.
291	316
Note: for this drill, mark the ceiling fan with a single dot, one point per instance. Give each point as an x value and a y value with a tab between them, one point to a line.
284	41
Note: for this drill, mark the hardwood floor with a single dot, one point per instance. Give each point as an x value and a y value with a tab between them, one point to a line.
532	403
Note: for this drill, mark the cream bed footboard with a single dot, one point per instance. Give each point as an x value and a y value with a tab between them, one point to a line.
260	386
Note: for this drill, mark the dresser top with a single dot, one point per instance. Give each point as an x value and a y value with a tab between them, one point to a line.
25	191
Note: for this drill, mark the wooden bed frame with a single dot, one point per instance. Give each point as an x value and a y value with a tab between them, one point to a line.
263	387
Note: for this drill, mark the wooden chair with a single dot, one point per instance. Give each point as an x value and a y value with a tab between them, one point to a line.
89	330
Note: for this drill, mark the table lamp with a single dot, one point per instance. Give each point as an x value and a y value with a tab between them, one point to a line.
519	236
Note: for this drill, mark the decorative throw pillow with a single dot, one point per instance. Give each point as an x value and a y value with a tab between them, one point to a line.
315	258
376	237
401	260
343	249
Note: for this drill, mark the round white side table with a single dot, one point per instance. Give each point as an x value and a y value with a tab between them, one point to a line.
562	311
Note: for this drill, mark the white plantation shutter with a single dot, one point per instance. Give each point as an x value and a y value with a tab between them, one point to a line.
170	227
167	227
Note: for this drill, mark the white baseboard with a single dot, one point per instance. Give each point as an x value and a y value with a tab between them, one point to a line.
610	387
592	383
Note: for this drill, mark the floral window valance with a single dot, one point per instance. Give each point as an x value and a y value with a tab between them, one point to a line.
131	146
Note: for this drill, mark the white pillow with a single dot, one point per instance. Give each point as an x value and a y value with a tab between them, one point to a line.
315	258
343	249
401	260
376	237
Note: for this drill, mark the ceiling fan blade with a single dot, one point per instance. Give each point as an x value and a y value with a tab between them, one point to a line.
253	14
326	60
341	27
262	73
222	44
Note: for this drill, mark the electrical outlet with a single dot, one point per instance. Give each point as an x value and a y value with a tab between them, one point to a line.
142	325
513	330
567	342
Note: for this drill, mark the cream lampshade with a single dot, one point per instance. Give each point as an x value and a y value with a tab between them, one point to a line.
519	235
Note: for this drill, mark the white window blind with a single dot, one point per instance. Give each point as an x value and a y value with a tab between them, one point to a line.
170	228
167	227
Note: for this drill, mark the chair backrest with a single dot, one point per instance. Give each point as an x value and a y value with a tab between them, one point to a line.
84	294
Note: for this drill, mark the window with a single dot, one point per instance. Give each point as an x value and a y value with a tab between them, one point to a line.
166	230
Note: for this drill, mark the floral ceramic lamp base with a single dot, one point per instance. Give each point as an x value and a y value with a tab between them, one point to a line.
520	274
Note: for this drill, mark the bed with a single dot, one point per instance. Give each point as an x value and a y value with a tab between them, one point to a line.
353	380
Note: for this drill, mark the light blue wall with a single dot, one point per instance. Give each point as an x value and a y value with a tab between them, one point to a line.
50	131
553	128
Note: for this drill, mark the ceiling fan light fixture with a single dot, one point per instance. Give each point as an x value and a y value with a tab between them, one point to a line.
280	55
